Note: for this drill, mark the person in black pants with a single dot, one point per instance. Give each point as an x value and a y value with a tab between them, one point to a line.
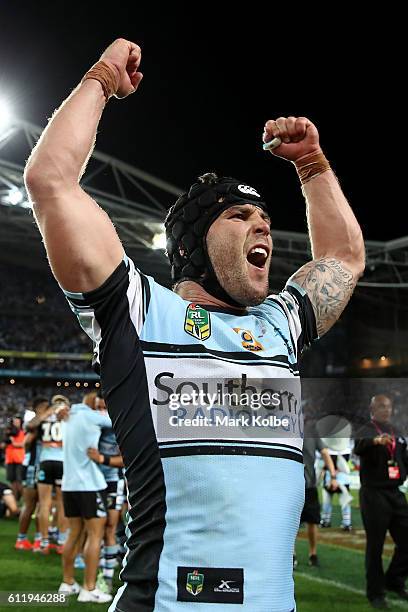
383	468
311	509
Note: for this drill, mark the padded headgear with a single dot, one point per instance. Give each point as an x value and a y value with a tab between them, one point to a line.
190	218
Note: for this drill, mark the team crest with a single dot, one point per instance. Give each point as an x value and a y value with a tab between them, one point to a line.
195	583
248	340
197	322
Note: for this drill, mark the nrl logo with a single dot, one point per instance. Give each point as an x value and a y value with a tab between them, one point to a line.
197	322
195	583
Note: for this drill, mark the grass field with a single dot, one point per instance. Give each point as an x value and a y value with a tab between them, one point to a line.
26	571
337	586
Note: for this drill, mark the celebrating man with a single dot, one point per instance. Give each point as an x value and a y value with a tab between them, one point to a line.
211	520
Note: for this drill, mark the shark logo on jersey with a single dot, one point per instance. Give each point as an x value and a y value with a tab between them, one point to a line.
195	582
248	340
197	322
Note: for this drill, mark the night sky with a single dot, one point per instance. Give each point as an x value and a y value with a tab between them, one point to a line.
210	82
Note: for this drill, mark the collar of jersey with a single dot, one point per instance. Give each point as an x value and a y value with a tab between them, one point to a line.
223	309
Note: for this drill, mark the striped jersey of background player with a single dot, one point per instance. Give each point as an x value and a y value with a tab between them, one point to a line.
211	522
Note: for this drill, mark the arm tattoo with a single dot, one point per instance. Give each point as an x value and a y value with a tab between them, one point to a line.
329	286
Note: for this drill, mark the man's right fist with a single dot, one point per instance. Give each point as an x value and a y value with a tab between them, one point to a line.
125	57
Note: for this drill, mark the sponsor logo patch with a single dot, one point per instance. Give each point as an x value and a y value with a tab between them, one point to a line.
210	585
248	340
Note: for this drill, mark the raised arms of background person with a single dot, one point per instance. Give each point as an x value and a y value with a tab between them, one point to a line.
335	235
32	425
81	242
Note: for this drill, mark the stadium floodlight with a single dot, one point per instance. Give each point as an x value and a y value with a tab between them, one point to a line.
159	240
5	115
15	196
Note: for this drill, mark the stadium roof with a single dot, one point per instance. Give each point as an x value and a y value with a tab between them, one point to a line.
137	202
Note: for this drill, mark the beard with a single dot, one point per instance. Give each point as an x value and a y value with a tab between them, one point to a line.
231	271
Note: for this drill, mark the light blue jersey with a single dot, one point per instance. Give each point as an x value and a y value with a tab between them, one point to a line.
50	435
108	446
214	508
80	432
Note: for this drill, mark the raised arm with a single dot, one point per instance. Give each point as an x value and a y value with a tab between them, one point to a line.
81	242
32	425
335	235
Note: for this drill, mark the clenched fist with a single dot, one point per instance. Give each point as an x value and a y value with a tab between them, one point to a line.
298	135
125	56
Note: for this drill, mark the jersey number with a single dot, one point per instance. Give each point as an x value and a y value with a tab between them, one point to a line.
52	432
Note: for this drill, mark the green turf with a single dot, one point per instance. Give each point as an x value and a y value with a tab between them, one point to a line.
315	597
26	571
314	588
337	586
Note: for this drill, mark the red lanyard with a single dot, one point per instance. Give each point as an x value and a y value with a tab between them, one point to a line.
390	447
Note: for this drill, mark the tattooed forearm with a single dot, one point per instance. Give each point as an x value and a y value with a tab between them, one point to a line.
329	285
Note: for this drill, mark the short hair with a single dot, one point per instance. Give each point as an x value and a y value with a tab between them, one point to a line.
89	399
56	399
374	398
18	416
39	400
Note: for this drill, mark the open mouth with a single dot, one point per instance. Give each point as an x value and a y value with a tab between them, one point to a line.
257	256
